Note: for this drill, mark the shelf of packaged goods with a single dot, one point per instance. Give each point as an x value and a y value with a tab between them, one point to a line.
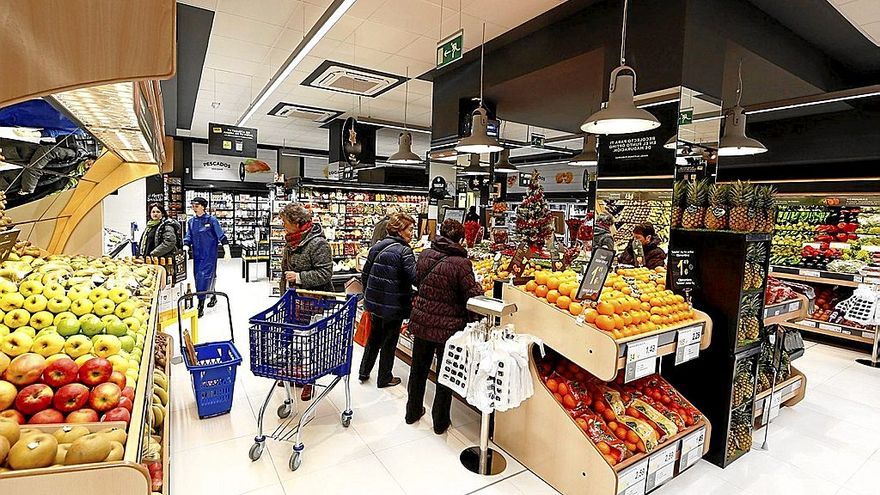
820	276
864	335
791	390
587	346
785	311
545	438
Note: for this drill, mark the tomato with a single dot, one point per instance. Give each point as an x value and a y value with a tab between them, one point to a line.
562	389
603	448
557	397
689	420
625	398
583	424
587	400
599	407
641	446
612	425
609	415
632	412
665	399
610	458
632	437
630	446
552	385
580	376
574	368
568	402
620	432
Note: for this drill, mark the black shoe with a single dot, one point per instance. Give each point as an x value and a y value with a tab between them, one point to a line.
363	378
440	430
201	308
212	302
411	421
391	383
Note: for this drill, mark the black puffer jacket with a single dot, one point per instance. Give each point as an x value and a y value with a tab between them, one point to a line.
165	238
388	277
445	278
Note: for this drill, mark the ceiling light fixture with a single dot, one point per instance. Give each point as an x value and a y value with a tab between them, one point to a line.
474	168
503	165
479	140
405	155
588	155
333	13
672	143
621	116
734	141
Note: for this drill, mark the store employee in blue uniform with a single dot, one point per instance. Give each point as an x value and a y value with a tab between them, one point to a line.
203	235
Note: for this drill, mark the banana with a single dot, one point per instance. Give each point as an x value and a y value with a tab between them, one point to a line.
158	415
163	395
160	381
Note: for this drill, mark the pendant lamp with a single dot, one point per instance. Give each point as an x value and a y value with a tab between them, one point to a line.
588	156
479	140
474	168
404	155
503	165
734	141
621	116
672	143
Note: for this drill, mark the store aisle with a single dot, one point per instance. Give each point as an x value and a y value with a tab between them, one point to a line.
827	444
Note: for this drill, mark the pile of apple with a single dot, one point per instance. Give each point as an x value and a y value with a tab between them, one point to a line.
36	390
27	448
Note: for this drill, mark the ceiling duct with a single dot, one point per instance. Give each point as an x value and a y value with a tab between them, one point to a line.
344	78
303	112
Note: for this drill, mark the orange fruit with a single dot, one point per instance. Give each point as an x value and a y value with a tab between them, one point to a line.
627	318
552	296
627	332
574	292
563	302
656	301
616	334
577	308
618	306
553	283
541	278
605	308
590	314
656	319
605	322
531	285
541	290
565	288
618	321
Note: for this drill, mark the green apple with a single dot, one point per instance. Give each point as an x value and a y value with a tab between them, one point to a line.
65	315
90	325
81	307
139	341
119	294
126	309
7	286
82	359
116	327
127	343
133	323
97	294
119	363
44	331
55	357
42	319
58	304
68	326
16	343
106	345
16	318
30	287
136	354
79	292
11	300
77	346
141	314
34	276
4	330
27	330
35	303
104	307
48	344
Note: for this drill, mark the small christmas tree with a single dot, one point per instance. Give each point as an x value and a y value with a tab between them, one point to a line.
533	220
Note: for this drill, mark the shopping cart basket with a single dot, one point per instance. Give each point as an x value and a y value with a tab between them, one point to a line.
211	366
305	336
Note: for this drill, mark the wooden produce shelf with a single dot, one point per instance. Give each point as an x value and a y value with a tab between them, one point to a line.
542	436
590	348
786	311
863	335
793	391
817	276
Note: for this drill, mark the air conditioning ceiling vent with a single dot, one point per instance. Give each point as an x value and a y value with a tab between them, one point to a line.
303	112
344	78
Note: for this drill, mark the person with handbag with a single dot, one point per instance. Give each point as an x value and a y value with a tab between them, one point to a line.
388	277
445	281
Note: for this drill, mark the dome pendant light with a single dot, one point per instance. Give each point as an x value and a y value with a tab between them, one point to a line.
474	168
588	156
734	141
503	165
404	155
479	141
621	116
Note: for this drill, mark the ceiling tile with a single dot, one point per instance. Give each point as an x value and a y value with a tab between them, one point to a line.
276	12
420	87
872	29
416	16
363	9
289	39
472	30
382	37
506	13
861	12
242	28
399	65
423	48
237	65
230	47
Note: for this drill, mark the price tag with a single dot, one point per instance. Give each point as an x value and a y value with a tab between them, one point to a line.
830	328
809	273
857	278
771	407
690	458
688	344
632	480
661	466
641	358
808	323
693	441
794	306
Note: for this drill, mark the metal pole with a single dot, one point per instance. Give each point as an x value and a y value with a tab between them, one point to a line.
874	362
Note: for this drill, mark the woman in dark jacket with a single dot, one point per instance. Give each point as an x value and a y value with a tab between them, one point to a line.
388	277
602	232
160	238
445	278
652	255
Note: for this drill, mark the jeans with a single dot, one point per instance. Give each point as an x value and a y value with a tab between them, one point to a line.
384	334
422	354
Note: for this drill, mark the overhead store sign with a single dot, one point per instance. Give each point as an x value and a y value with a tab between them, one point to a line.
230	140
556	178
642	153
537	140
450	49
208	166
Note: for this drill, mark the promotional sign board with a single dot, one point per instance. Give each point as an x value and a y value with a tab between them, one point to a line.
229	140
208	166
556	178
642	153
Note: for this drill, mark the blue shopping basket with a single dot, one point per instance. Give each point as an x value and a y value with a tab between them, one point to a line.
213	372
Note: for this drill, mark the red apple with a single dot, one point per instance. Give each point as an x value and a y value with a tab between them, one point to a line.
105	396
128	392
25	369
33	399
126	403
117	414
13	415
48	416
60	372
117	378
95	371
82	416
71	397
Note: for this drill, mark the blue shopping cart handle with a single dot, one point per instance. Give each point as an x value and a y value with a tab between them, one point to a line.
195	295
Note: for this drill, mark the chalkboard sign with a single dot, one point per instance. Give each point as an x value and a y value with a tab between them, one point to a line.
179	266
518	263
595	274
682	270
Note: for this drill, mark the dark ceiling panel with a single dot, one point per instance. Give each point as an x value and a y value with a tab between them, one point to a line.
193	30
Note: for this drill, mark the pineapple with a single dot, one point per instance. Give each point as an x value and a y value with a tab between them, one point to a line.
741	198
716	214
765	206
741	431
749	326
753	276
695	212
678	196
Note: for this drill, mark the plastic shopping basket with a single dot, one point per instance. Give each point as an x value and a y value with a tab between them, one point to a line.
301	339
213	372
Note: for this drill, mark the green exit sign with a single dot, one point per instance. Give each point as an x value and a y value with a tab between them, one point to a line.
686	116
450	49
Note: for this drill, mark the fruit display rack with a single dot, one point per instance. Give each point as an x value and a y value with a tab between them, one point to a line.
127	475
631	208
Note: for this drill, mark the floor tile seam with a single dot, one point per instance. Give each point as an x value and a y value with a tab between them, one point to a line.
502	480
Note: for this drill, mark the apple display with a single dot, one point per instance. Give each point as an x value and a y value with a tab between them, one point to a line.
64	315
68	326
81	307
78	292
27	330
38	452
71	397
12	415
47	344
95	371
114	326
25	369
60	372
33	399
82	416
78	345
30	287
4	330
104	397
120	364
53	357
7	394
126	309
128	392
133	323
58	304
127	343
82	359
90	325
45	330
11	300
16	343
7	286
106	345
97	294
118	378
47	416
16	318
35	303
104	307
117	414
126	403
119	294
54	290
4	363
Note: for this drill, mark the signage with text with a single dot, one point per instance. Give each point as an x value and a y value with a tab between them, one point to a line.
595	274
229	140
207	166
682	269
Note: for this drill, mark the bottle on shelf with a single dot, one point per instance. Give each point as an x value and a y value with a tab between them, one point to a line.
188	302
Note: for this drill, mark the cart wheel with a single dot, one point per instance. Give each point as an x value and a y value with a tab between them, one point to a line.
346	420
284	411
295	461
256	451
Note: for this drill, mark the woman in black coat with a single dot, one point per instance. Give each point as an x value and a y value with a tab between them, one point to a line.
388	277
160	237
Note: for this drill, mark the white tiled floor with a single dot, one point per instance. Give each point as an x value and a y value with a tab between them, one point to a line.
827	444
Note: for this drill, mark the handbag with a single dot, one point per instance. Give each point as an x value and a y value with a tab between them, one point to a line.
793	343
362	335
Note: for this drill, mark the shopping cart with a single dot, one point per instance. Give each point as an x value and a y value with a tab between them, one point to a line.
303	337
211	365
